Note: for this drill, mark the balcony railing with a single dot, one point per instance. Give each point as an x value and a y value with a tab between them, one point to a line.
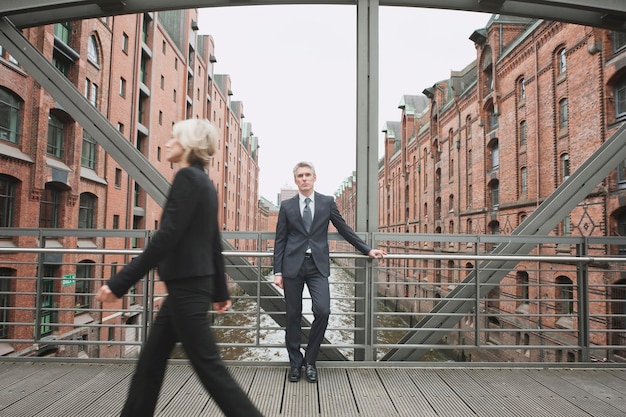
563	302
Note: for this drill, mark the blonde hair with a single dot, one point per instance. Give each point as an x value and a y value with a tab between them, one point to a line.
198	137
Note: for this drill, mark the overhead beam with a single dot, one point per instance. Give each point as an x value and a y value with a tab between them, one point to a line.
460	301
84	113
609	14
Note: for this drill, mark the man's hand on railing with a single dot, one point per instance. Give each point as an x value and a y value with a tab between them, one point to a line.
105	295
377	254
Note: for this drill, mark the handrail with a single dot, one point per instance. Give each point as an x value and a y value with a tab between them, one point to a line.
537	320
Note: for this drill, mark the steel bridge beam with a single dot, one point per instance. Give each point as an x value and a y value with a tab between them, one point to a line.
610	14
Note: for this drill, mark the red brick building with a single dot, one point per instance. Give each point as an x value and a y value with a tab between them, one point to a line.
143	72
478	152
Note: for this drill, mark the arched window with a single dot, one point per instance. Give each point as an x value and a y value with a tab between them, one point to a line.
565	170
92	50
10	116
86	211
494	191
561	62
521	90
495	154
564	295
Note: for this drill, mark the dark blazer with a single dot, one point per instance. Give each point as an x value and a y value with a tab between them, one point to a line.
292	238
188	242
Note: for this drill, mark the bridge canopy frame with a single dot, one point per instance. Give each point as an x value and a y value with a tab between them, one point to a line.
609	14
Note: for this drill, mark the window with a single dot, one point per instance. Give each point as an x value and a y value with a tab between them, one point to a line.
521	90
125	43
524	182
143	70
49	315
10	116
561	62
49	205
55	136
89	151
494	189
116	221
86	211
620	99
118	178
162	82
493	118
120	127
62	31
91	92
522	133
495	155
122	87
5	287
84	275
563	116
565	172
92	50
619	41
564	295
621	175
521	289
7	200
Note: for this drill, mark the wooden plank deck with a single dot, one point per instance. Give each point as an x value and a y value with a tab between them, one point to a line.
79	389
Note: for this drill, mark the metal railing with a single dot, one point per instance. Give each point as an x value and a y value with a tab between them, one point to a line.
564	302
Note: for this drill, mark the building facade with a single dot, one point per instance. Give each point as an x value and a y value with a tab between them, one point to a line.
478	152
143	73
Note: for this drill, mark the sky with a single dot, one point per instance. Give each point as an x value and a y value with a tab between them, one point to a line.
294	69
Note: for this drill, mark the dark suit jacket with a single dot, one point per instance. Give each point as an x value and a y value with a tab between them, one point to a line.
188	243
292	238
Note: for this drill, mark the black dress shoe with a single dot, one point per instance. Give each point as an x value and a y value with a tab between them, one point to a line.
294	374
311	373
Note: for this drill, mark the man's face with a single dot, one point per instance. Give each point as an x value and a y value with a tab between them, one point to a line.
304	179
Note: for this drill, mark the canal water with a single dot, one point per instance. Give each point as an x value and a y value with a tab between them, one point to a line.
341	322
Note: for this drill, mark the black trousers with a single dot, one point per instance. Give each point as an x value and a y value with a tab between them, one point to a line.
320	299
183	317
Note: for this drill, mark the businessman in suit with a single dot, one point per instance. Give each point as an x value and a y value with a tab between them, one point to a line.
301	256
188	252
